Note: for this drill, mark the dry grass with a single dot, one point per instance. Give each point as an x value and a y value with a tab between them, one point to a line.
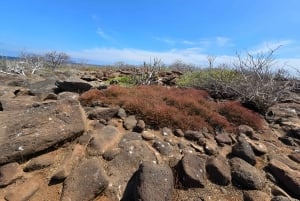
175	108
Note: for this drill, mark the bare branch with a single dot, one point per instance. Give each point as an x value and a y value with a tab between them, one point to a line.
54	59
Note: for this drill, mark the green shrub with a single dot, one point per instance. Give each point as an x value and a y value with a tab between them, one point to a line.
214	80
123	80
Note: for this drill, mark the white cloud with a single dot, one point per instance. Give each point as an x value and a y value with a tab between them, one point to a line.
219	41
222	41
165	40
188	55
270	45
137	56
292	65
188	42
103	35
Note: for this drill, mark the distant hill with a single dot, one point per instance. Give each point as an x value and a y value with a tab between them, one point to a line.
9	57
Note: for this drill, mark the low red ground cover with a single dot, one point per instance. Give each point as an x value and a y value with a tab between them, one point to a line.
187	109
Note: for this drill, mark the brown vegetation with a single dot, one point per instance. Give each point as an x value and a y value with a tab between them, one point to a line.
174	107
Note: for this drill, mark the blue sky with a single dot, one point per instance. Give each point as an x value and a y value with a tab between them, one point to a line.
134	31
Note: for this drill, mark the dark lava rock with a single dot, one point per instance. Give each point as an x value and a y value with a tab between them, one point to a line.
154	182
73	86
245	175
111	153
282	198
89	78
102	113
40	162
223	138
295	156
289	141
86	181
43	89
256	195
140	126
285	160
29	131
193	135
193	171
210	147
218	170
123	167
288	177
178	133
243	150
162	147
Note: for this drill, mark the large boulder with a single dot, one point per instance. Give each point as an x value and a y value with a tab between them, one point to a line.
71	161
223	138
286	115
9	173
295	156
245	175
40	162
218	170
244	150
86	181
162	147
193	135
43	89
193	172
154	182
103	139
123	167
130	122
256	195
38	127
283	198
288	177
24	191
78	86
285	160
102	113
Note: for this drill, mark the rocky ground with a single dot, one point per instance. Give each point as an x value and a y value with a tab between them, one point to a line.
52	148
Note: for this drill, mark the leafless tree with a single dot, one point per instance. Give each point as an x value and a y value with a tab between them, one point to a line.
149	72
211	60
182	66
26	64
298	71
259	84
55	59
31	62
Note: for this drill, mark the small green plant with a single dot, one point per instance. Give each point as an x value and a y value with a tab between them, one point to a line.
126	80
